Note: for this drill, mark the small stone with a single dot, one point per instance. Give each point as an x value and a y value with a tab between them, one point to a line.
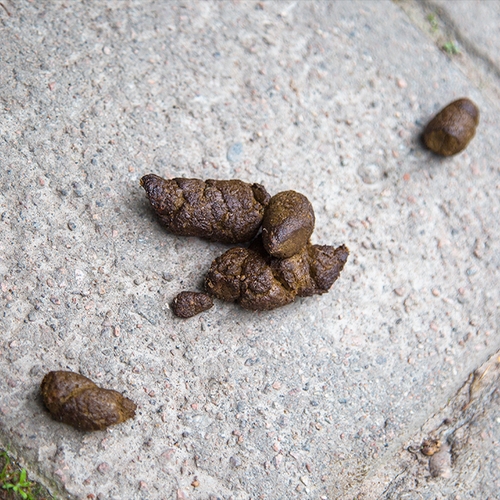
70	353
103	468
430	446
440	463
168	454
370	174
251	361
400	291
234	152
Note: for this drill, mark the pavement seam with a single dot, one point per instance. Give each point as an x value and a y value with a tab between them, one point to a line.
453	29
476	65
468	401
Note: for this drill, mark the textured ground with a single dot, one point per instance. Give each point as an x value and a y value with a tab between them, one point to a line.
319	399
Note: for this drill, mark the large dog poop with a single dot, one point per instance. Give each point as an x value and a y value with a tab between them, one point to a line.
227	211
260	282
75	400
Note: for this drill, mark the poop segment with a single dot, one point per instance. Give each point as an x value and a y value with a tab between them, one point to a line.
288	224
260	282
225	211
451	130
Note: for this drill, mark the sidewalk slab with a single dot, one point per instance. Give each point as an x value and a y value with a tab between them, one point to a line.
478	22
326	98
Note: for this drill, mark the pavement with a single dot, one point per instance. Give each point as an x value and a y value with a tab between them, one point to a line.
326	398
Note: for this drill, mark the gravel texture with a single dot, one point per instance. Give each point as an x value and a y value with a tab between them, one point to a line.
325	98
476	23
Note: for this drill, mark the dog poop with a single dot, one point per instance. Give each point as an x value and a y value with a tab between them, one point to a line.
260	282
188	304
288	224
280	262
227	211
451	130
75	400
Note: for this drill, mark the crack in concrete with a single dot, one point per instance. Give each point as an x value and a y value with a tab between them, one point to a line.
476	65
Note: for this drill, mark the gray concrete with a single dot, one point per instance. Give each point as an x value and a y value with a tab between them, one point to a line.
327	98
476	21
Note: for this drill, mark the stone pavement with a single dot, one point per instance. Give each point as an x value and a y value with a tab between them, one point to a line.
322	398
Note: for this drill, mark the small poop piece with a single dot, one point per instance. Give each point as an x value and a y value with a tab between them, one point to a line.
75	400
188	304
228	211
259	282
288	224
451	130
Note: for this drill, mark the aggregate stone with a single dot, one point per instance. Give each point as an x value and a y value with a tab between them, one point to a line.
96	95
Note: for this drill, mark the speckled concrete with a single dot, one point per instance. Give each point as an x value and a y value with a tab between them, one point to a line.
326	98
476	21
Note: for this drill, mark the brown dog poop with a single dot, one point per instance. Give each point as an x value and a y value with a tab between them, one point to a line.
288	224
75	400
451	130
188	304
227	211
260	282
280	264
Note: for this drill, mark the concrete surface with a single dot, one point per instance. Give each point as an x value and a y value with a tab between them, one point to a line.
317	400
475	22
468	424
